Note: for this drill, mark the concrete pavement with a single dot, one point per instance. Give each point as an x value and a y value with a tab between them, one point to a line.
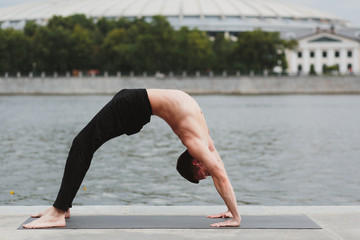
337	222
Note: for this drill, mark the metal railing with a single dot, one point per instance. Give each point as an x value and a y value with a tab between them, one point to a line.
159	75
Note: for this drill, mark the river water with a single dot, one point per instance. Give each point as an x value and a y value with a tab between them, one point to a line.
278	150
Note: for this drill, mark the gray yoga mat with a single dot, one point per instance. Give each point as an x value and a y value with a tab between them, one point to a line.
183	222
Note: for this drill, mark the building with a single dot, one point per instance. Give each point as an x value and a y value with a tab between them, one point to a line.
325	49
316	47
211	16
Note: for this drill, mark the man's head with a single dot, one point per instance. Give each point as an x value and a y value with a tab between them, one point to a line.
191	169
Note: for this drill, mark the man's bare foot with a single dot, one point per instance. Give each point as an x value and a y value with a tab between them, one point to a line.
40	214
52	217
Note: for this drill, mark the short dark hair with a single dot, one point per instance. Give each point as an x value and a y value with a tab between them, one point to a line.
185	167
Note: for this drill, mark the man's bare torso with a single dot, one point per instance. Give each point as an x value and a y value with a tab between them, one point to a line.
182	113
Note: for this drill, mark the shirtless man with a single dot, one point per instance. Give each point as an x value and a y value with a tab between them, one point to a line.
126	113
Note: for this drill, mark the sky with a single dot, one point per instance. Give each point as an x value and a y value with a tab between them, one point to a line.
345	9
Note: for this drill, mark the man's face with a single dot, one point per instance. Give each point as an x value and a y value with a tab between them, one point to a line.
201	171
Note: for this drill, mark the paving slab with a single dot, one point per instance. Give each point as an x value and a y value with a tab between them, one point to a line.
337	222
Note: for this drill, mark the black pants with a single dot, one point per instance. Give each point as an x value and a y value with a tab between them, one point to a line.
127	113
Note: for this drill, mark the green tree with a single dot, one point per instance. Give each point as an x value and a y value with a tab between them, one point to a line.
155	46
199	51
123	23
328	70
222	49
30	28
193	50
259	50
119	50
30	31
70	22
81	49
76	42
82	20
140	47
14	47
105	26
312	70
112	50
52	49
59	21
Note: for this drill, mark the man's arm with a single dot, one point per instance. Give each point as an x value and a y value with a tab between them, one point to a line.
215	167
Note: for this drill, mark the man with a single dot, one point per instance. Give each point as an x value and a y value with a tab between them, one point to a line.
127	113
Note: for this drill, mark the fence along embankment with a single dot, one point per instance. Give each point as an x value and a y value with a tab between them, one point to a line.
195	85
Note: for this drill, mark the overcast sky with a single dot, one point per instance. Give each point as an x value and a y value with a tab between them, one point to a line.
345	9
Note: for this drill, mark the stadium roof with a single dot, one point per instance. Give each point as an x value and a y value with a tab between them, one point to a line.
208	15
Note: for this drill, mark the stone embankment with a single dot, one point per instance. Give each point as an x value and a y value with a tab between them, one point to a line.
195	85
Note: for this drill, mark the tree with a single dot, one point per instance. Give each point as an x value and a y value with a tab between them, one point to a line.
70	22
199	51
140	47
155	46
76	42
30	28
52	49
81	49
312	70
118	51
193	50
258	50
112	53
81	20
30	31
328	70
105	26
14	47
222	49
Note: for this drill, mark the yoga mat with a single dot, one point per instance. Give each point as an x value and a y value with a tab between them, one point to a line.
183	222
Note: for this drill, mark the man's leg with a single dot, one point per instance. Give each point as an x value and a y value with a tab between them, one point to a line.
101	128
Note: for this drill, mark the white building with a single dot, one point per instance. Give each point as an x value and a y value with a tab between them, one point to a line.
325	49
210	16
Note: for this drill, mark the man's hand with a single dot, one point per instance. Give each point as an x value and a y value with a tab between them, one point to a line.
221	215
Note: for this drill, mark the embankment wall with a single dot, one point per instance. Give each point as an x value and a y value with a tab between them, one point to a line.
199	85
